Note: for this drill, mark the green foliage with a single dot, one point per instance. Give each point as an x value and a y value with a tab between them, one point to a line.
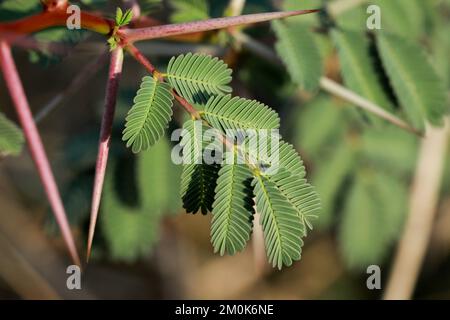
313	135
354	19
286	202
130	232
198	77
281	225
189	10
297	48
373	214
404	18
390	148
330	178
225	112
149	116
357	67
156	174
232	209
419	89
11	137
358	174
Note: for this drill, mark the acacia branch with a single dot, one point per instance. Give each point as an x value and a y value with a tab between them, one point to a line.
112	86
35	146
133	35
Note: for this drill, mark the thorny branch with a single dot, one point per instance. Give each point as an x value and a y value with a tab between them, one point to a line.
35	145
112	86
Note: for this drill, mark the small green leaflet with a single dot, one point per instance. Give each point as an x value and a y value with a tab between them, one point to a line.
122	19
198	77
232	209
149	116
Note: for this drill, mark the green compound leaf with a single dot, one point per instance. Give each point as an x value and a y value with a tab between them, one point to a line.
232	209
11	137
197	77
225	112
357	67
297	48
281	225
416	84
149	116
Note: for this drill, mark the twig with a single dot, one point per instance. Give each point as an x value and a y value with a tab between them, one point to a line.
422	205
80	79
112	86
35	145
327	84
352	97
132	35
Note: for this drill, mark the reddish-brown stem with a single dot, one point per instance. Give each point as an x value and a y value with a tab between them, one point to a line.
35	145
151	68
132	35
186	105
112	86
137	54
53	18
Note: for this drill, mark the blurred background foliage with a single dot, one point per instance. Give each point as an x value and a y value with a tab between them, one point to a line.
361	165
